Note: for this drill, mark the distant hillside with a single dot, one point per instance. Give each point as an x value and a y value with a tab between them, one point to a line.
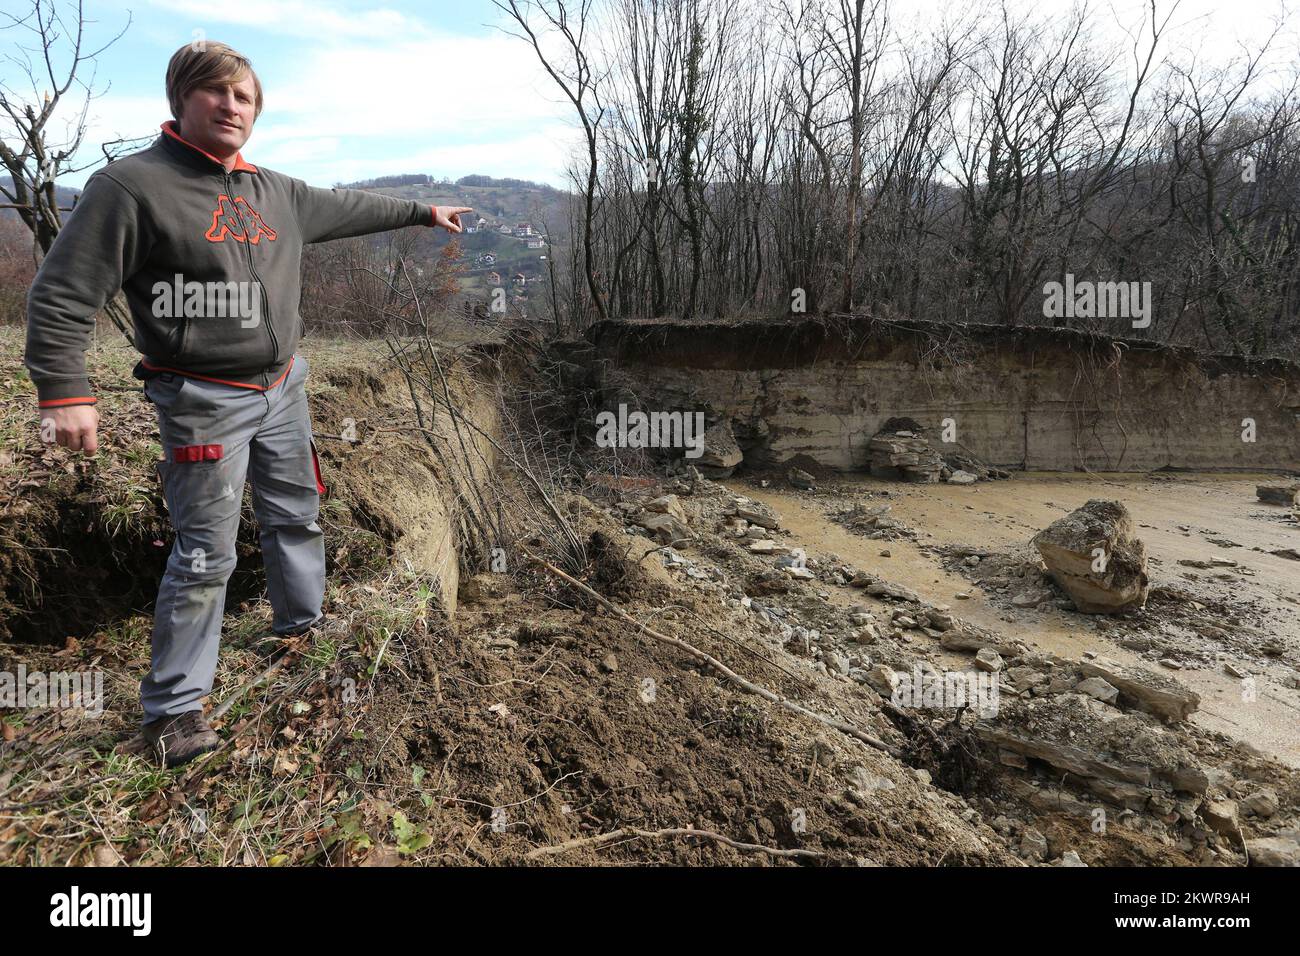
383	182
501	202
63	194
490	181
423	179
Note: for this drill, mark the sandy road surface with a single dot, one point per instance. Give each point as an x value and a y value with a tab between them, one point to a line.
1005	514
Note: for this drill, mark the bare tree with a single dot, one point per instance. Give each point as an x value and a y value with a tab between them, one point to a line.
50	50
580	84
747	155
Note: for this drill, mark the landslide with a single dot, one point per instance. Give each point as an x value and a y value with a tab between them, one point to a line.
512	720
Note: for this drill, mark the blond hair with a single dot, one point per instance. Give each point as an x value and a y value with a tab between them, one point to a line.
205	62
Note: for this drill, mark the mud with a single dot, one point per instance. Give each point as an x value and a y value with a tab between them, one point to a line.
1177	516
1069	756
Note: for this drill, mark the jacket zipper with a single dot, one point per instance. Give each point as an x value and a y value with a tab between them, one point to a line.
248	248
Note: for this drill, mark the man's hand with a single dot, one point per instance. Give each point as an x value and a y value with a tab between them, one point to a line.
73	426
449	217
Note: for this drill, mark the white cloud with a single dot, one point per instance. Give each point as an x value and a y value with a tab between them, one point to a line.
538	156
474	86
369	91
298	18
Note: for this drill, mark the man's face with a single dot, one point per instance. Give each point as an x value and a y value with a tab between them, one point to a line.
219	117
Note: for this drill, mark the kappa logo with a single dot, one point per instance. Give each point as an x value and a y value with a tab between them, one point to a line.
226	222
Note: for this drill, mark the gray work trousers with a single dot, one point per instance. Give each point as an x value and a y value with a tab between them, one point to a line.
213	437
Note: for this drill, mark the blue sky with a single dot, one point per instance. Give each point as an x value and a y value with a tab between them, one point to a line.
353	89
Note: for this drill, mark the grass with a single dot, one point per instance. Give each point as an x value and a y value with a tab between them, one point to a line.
124	507
69	791
68	795
75	789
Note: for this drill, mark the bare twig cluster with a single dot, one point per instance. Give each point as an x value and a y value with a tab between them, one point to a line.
799	156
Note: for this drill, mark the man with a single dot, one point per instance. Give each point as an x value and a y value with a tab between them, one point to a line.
207	249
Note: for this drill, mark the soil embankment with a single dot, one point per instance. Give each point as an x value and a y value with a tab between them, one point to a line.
1024	398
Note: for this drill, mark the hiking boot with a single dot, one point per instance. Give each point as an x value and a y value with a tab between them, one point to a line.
302	629
180	738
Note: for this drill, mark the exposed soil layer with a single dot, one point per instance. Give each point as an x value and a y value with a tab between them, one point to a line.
807	341
1030	399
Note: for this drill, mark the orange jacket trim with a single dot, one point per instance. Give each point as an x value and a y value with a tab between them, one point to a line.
169	129
56	402
220	381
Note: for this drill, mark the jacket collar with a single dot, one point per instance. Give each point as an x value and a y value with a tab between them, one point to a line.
169	131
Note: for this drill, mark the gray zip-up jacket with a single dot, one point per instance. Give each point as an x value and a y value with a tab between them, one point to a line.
209	260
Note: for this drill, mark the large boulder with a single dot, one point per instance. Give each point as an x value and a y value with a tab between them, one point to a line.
1273	851
667	505
1279	494
904	456
667	528
1154	693
1092	554
900	452
754	512
721	453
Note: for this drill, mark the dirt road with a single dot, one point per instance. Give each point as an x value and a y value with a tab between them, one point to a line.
1177	517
